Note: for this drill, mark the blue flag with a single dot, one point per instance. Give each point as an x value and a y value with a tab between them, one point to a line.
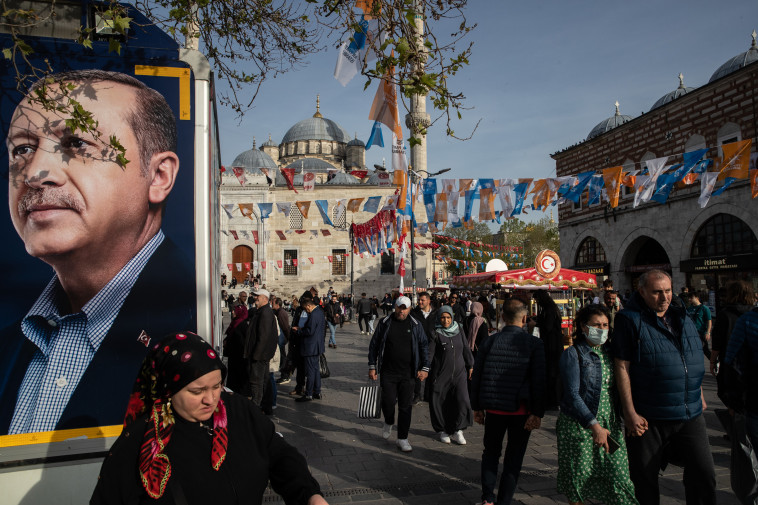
323	208
265	209
375	139
594	189
519	190
581	182
372	204
470	196
430	190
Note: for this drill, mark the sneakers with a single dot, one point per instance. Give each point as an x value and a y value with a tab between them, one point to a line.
305	399
316	396
444	437
387	431
457	437
283	380
363	332
403	445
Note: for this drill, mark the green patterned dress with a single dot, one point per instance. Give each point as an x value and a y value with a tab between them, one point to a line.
585	471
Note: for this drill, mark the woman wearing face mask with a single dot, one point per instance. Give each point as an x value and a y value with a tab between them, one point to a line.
592	460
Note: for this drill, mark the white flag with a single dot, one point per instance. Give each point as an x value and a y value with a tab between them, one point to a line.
707	183
353	52
647	188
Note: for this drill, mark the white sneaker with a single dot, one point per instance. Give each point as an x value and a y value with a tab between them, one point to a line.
387	431
457	437
444	437
363	332
403	445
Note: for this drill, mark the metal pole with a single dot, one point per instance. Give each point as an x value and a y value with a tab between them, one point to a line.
352	239
413	243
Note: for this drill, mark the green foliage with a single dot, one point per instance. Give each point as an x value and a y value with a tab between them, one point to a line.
479	233
533	237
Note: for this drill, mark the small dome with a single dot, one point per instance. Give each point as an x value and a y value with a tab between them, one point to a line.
269	142
736	63
317	128
673	95
609	124
356	142
311	165
341	178
374	178
253	160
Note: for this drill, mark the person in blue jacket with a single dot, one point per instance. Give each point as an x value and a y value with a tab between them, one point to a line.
399	351
311	338
659	373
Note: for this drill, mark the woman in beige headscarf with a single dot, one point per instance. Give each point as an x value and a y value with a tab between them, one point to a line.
477	327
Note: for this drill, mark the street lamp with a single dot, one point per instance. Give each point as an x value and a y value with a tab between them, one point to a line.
415	176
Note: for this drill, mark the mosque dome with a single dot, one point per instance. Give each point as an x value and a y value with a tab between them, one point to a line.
269	143
608	124
253	160
317	128
341	179
737	62
356	142
673	95
374	178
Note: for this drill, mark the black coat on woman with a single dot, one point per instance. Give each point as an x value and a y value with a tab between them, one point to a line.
449	404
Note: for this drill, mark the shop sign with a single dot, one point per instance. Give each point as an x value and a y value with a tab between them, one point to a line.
647	268
720	263
595	269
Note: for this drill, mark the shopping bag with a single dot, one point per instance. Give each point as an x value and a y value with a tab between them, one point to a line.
323	367
369	401
744	464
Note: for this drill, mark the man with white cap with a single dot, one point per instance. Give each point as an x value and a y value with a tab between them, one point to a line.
399	351
260	343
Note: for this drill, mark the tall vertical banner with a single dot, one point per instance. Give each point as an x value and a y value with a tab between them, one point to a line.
95	338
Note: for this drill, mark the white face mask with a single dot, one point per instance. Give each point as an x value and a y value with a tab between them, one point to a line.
596	336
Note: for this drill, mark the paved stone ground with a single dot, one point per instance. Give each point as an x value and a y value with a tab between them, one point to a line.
354	464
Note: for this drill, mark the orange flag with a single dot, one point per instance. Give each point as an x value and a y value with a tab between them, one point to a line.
736	160
541	191
754	182
486	204
612	179
629	179
464	185
354	204
247	210
304	206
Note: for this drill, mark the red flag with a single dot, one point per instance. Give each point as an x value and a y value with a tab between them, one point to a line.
359	173
229	266
289	176
279	263
234	234
309	181
240	173
311	260
247	266
263	265
330	259
255	236
300	232
223	169
326	233
294	261
280	234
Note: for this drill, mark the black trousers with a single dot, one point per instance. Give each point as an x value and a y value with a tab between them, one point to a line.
258	371
495	428
681	442
361	318
397	388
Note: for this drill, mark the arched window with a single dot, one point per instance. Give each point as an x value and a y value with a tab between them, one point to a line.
723	234
590	251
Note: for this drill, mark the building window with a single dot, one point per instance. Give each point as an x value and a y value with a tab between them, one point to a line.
590	251
290	262
339	220
339	262
723	234
388	263
296	218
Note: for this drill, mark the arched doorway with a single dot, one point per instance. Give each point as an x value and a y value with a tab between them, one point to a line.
241	254
644	254
590	257
724	249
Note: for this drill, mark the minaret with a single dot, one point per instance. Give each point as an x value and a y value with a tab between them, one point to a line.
418	115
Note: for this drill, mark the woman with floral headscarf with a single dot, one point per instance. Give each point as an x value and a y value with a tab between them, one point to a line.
452	365
186	441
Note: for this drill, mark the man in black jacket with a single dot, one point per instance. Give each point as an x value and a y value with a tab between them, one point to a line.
427	316
364	312
260	344
333	315
508	395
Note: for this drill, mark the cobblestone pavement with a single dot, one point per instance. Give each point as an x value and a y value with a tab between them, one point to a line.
354	464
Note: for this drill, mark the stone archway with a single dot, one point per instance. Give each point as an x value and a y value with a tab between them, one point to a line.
642	254
241	254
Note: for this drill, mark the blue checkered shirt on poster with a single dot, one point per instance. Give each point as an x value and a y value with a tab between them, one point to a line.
66	344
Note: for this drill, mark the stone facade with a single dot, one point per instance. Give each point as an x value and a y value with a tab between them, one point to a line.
722	111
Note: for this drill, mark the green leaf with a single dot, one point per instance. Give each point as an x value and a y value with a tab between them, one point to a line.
87	43
7	53
114	46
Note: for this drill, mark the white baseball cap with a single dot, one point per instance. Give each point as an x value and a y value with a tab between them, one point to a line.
403	300
262	292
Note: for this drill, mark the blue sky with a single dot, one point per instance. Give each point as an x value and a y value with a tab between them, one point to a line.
542	75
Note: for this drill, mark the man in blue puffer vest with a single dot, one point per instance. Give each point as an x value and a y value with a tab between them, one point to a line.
659	372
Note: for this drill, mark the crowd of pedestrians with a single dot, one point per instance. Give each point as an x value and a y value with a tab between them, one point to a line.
628	388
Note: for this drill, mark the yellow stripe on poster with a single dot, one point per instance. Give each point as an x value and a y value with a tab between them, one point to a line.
46	437
184	84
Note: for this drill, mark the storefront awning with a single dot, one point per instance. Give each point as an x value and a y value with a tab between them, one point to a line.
526	278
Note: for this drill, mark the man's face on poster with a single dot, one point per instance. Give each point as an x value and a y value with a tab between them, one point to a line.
67	191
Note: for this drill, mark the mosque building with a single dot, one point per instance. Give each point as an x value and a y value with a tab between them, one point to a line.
702	248
312	254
